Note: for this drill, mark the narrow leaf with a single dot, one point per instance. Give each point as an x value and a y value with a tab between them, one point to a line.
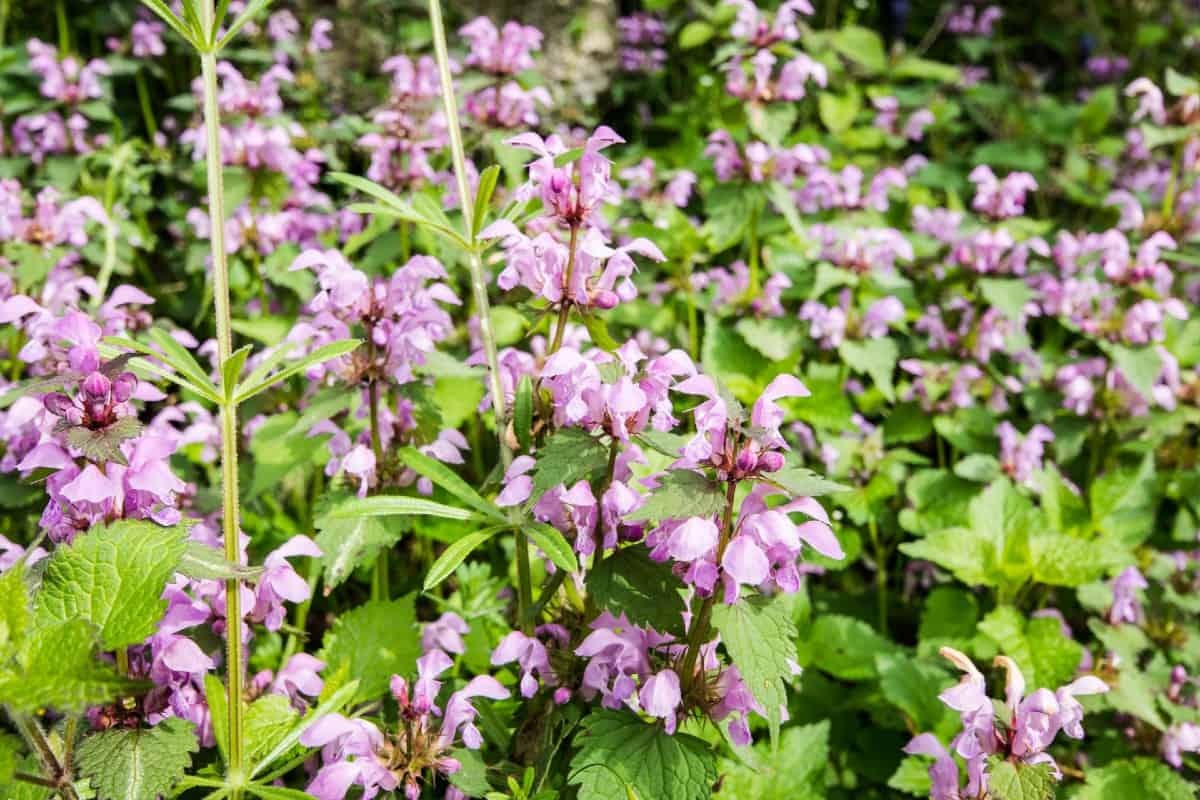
456	553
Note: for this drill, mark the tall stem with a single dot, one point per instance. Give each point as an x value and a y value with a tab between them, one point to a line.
380	589
229	426
479	289
752	292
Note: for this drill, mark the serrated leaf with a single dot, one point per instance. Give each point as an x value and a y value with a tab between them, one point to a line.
803	482
375	641
569	456
1009	781
15	613
58	669
1009	296
912	685
912	777
336	700
619	752
268	720
112	577
795	772
629	582
347	542
845	647
681	493
104	445
1143	778
456	553
760	638
1046	657
1123	502
776	338
138	764
875	357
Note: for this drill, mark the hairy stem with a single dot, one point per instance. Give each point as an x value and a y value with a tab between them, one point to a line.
380	589
143	94
479	289
880	574
564	309
701	629
59	771
229	425
119	159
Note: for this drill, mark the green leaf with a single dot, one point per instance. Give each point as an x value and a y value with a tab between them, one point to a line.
862	46
318	356
252	9
179	358
803	482
618	752
694	34
760	638
336	700
1124	502
231	370
1179	84
456	553
837	111
844	647
681	493
978	467
347	542
138	764
912	776
10	747
912	686
386	505
940	500
218	711
1047	658
15	614
949	617
113	578
58	669
208	563
483	198
877	358
443	476
778	339
568	456
1140	367
374	641
552	543
523	413
1143	778
1008	295
629	582
795	772
268	720
785	203
1009	781
164	12
104	445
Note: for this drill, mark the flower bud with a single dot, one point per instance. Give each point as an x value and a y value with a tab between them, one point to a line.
96	387
605	299
746	461
58	404
770	462
124	386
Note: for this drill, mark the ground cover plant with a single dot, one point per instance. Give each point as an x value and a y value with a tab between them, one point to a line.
665	401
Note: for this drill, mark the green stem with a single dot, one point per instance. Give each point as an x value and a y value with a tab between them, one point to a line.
752	291
35	737
229	425
143	93
37	780
1168	203
564	308
379	579
5	5
64	30
880	575
119	159
700	631
479	288
693	316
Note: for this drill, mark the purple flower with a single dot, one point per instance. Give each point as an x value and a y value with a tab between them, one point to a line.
445	633
506	51
530	654
1021	456
943	773
1150	101
1000	199
659	697
1180	738
1126	607
280	582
